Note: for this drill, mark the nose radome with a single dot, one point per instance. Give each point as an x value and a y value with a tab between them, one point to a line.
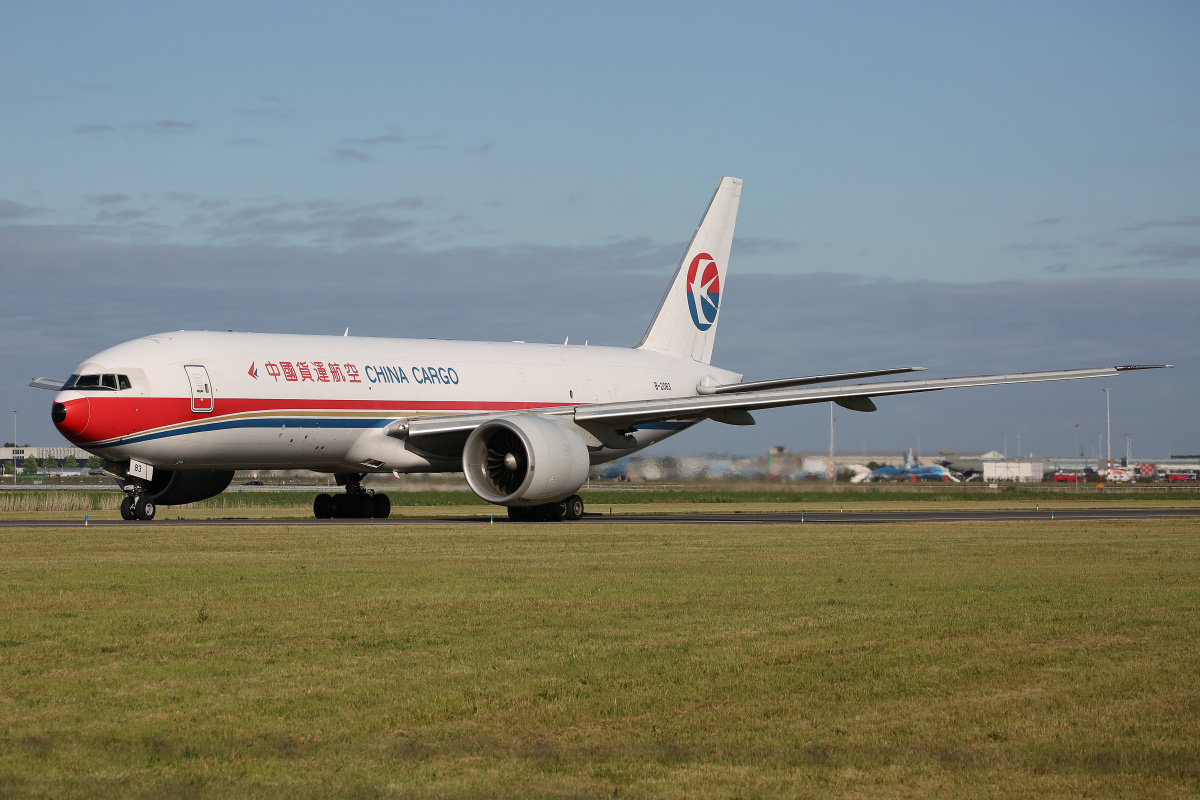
71	417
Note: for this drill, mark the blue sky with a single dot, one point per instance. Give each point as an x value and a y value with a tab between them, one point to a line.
905	164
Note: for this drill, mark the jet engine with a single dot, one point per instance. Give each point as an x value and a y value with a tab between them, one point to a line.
187	486
524	460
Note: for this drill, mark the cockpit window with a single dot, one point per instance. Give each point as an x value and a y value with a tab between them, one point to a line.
98	383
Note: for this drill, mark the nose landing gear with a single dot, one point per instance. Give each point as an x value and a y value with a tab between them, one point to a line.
137	505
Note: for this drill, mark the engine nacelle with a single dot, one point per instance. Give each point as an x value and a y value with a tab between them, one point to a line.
174	488
523	460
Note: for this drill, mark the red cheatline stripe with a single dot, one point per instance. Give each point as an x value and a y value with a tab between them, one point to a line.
115	417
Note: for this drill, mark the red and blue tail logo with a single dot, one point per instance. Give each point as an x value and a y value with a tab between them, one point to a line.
703	291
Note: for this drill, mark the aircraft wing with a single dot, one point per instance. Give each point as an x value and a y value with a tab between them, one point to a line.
734	407
54	384
447	433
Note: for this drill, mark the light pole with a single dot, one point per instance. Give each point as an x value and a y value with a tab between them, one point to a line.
14	450
1078	452
1108	435
1128	449
832	465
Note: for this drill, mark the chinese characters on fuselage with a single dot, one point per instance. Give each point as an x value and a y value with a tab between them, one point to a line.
329	372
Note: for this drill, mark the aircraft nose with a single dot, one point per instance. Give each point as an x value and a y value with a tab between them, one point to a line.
71	418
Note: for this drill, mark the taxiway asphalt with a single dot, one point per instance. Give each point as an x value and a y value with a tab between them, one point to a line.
716	518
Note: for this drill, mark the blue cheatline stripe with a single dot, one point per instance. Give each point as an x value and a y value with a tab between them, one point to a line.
263	422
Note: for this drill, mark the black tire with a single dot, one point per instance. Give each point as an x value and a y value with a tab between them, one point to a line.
546	512
323	506
338	505
362	505
518	513
127	508
556	512
573	508
144	508
381	506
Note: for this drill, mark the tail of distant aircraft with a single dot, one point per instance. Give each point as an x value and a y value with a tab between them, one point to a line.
686	322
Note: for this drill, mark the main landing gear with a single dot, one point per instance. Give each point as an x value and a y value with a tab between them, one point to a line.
136	504
356	503
569	509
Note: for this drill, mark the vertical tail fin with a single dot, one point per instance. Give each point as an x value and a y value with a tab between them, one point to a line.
685	325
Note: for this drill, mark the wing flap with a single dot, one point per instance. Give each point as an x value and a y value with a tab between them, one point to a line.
784	383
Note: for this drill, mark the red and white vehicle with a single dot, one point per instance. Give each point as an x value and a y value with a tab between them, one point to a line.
174	414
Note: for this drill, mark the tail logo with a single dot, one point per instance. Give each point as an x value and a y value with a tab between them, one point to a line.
703	291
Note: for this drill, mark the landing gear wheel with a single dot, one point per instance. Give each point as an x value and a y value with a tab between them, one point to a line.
337	506
518	513
144	508
381	506
572	508
127	508
323	506
546	512
363	506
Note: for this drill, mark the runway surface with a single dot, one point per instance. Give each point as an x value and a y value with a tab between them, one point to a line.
722	518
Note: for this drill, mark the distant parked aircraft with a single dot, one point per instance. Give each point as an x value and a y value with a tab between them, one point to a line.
913	470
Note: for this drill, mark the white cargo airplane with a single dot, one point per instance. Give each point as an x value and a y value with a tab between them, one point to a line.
174	414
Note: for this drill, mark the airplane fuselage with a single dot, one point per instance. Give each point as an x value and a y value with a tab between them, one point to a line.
224	400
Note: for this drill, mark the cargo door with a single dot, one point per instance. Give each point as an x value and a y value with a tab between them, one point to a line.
201	389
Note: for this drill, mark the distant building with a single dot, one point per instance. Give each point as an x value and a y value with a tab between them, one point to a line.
29	451
1020	471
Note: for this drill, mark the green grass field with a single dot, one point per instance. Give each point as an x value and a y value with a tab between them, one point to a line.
981	660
